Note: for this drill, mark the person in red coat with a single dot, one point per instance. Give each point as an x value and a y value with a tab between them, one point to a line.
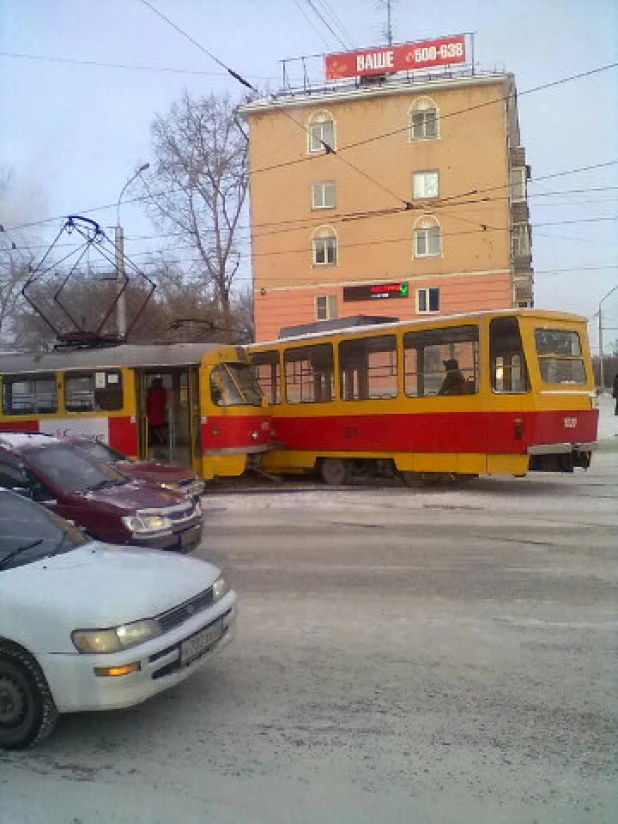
156	411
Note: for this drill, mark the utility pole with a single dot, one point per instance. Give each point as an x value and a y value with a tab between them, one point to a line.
601	361
121	275
121	307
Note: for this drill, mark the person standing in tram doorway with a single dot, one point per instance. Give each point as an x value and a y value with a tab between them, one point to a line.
454	382
156	404
615	392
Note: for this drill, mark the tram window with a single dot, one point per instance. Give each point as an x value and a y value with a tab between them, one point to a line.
368	368
93	391
223	390
309	375
426	354
559	352
509	373
36	395
235	384
268	370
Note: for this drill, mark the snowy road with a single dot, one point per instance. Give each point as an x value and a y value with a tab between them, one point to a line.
403	656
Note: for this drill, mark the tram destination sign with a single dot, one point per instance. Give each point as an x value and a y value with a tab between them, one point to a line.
407	57
376	291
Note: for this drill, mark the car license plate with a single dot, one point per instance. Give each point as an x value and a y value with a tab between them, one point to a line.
193	647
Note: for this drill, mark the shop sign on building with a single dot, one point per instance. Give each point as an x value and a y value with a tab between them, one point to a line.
376	291
403	58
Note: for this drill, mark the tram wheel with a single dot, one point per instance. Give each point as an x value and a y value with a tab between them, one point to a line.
334	471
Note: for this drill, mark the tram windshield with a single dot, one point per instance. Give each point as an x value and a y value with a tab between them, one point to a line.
235	384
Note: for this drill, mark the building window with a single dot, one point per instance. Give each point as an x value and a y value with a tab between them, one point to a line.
521	240
427	239
428	300
326	307
425	184
518	180
323	195
424	120
321	133
325	248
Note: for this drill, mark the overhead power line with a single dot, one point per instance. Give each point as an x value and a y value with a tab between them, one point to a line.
104	64
321	17
244	82
328	149
300	223
383	240
301	9
328	9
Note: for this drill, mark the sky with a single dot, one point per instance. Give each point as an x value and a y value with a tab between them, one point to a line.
71	135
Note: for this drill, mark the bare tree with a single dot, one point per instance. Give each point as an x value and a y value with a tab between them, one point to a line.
199	186
14	264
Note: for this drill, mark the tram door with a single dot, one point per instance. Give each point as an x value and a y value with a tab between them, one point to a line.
168	410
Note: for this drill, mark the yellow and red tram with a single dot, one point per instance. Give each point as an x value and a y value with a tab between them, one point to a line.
216	420
372	397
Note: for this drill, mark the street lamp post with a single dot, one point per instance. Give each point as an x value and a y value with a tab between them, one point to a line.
600	314
121	309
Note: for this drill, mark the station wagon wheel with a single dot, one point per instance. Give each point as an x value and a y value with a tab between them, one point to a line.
334	471
28	713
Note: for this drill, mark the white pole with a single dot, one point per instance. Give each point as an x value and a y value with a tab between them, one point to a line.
121	306
601	363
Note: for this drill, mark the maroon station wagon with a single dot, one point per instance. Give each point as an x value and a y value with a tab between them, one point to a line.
107	504
168	476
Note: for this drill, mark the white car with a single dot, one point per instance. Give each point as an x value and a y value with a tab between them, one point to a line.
89	626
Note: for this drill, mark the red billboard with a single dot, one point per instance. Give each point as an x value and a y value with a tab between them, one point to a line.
405	58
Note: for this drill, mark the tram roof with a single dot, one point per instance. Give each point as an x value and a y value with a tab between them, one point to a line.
434	320
137	355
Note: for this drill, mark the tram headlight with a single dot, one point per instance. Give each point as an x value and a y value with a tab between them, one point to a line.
146	524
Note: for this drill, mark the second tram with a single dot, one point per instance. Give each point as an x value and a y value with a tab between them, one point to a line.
378	398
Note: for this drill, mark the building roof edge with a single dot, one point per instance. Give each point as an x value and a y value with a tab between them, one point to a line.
322	95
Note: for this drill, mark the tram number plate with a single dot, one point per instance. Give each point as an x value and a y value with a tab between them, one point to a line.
193	647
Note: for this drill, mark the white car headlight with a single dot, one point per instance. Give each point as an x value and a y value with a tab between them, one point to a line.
113	640
219	588
141	524
172	487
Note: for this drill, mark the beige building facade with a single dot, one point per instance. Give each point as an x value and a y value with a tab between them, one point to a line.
400	198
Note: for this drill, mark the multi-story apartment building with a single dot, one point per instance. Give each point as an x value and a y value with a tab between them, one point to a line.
410	188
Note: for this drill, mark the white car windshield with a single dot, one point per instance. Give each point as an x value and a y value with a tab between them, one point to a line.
29	532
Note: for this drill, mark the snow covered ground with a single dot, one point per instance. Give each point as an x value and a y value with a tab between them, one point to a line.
430	655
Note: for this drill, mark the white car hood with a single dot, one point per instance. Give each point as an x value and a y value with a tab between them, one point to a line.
97	586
